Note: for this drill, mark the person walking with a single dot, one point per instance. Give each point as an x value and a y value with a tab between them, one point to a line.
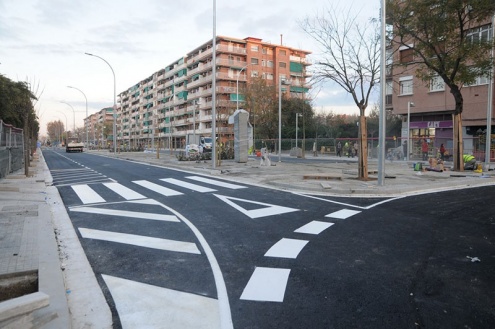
339	149
355	148
346	148
350	150
424	150
442	152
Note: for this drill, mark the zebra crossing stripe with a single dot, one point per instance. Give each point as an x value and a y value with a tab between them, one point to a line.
343	214
286	248
314	227
125	213
194	187
215	182
124	192
87	194
267	285
157	188
140	241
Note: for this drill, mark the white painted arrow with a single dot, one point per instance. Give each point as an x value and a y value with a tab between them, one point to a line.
267	210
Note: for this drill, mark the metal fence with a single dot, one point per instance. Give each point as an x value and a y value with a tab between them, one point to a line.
11	149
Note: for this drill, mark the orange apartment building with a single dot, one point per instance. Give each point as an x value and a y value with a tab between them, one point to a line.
431	105
96	123
176	101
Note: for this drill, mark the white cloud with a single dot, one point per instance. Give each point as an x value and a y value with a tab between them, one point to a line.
45	41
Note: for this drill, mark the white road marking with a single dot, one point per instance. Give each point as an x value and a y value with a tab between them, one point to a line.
157	188
343	214
314	227
267	285
194	187
125	213
215	182
87	194
267	210
141	241
286	248
124	192
142	305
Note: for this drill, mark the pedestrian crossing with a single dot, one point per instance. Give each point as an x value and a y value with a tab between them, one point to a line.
167	187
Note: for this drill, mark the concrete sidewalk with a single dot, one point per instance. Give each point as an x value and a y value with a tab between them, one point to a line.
39	245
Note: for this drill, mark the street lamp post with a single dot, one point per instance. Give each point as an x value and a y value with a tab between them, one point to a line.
74	112
280	82
114	103
409	105
297	125
85	124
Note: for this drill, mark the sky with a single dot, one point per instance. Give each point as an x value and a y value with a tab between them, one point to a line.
44	43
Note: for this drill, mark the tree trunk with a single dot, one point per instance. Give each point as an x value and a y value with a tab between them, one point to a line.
458	144
363	149
26	144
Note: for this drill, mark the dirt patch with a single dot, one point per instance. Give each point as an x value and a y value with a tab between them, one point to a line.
17	285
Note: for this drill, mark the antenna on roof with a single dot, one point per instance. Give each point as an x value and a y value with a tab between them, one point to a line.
281	43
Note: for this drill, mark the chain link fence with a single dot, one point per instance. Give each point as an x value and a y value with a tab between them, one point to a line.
11	149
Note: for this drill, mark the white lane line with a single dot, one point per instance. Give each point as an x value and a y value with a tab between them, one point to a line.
157	188
140	241
87	194
194	187
137	303
267	210
343	214
215	182
314	227
286	248
266	285
124	192
124	213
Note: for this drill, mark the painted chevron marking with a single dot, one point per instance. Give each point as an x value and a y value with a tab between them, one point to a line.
125	213
140	241
137	303
267	210
86	194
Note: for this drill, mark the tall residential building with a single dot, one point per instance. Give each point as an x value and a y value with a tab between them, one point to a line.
431	105
99	127
176	101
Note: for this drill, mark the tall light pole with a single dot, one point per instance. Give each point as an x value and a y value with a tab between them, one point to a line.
280	82
382	118
214	89
114	103
85	125
297	125
409	105
488	139
73	111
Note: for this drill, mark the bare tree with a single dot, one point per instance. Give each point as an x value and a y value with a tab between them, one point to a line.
351	59
440	35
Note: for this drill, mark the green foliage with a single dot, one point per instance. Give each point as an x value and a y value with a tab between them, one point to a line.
439	32
16	106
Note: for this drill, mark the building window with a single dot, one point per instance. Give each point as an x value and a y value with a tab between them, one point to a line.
269	76
254	61
406	85
437	84
282	52
254	48
254	74
263	62
283	64
264	50
269	63
406	55
482	33
480	80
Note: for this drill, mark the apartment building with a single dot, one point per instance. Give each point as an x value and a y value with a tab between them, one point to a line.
176	101
431	105
99	127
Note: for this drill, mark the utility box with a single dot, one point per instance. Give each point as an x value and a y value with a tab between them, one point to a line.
240	118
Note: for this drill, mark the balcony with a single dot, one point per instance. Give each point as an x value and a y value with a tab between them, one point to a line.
231	49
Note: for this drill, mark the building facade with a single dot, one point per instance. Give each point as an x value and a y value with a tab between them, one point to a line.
176	101
99	127
431	105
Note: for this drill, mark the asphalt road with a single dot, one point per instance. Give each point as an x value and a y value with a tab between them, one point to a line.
159	239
